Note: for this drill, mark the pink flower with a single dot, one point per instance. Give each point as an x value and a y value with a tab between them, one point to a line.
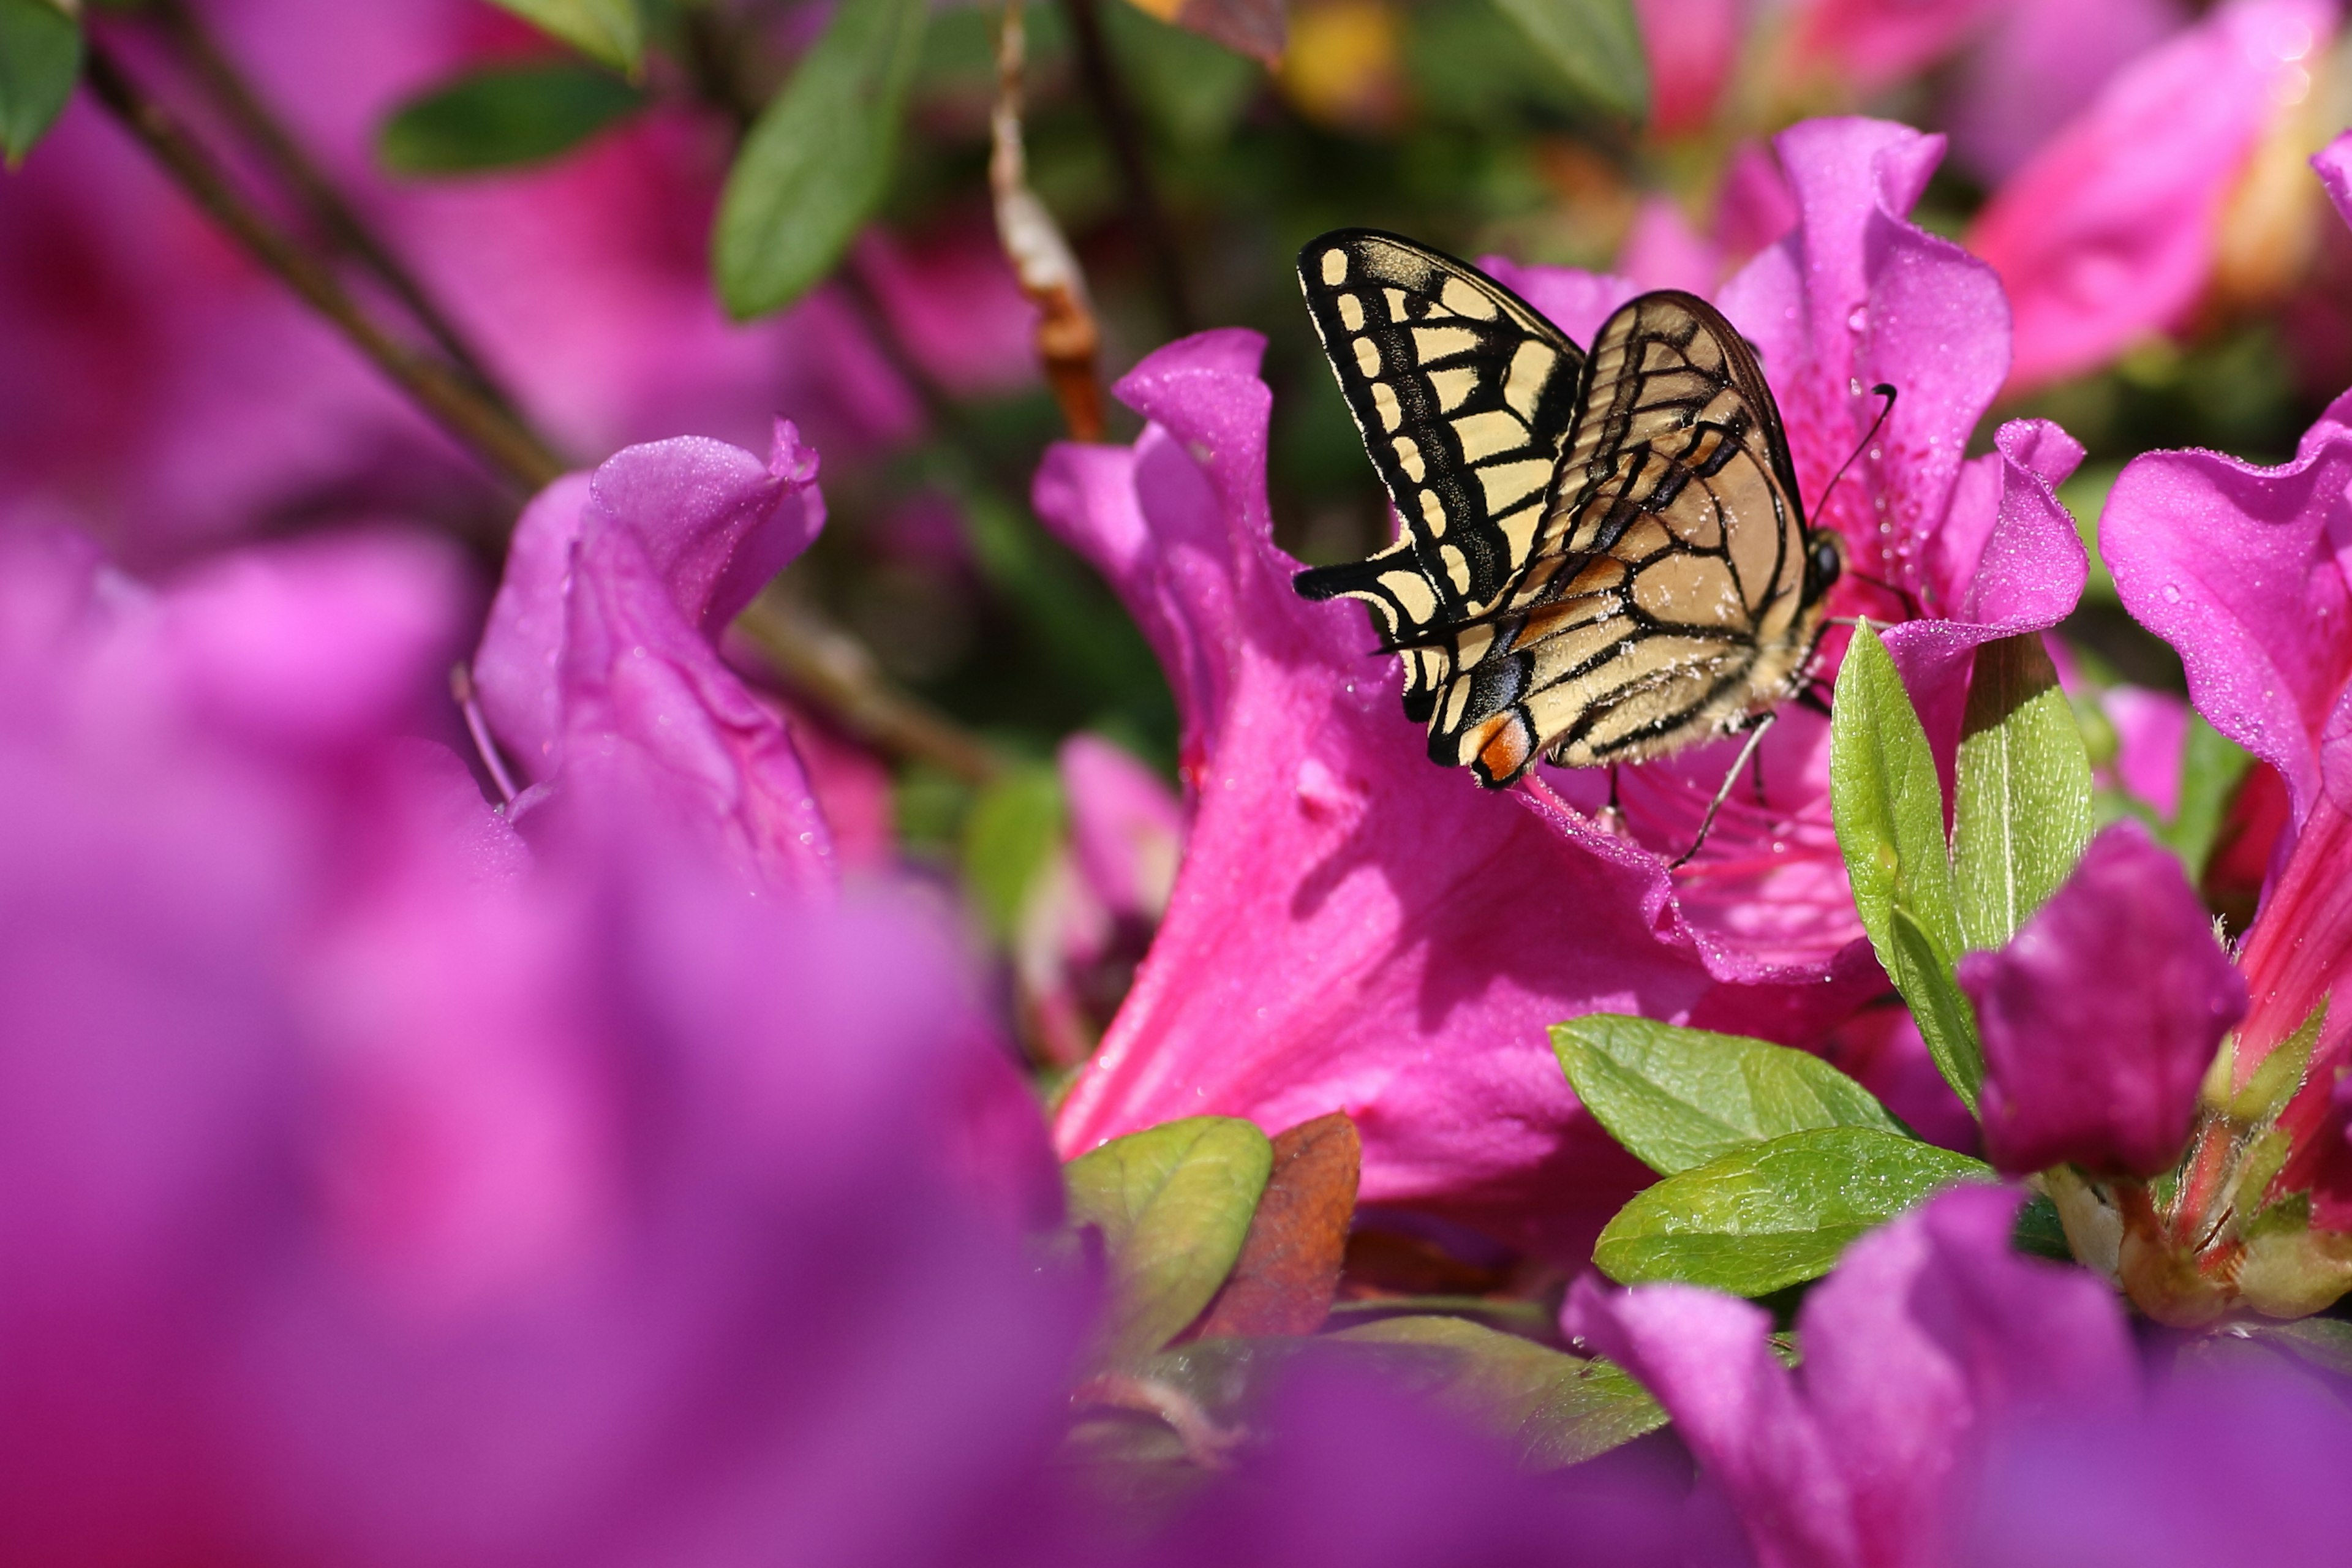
2100	1016
2037	66
1354	929
186	397
1091	916
1930	1336
384	1190
954	303
601	653
2109	231
1693	46
1876	43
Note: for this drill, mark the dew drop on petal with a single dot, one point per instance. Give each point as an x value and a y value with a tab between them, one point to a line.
2172	593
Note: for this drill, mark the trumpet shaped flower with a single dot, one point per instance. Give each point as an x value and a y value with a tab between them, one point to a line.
1354	929
601	648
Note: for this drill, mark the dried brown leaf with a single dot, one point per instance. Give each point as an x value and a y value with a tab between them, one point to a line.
1289	1265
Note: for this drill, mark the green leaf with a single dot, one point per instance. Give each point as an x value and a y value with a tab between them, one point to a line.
819	159
1889	809
2212	764
1172	1204
1555	1410
1009	841
498	117
1595	44
613	31
2323	1343
1947	1025
2040	1233
2022	811
2084	497
1677	1098
41	60
1774	1215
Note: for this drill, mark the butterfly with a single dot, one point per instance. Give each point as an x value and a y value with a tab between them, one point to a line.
1604	557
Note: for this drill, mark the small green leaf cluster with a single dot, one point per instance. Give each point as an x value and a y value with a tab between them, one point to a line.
1175	1215
41	60
1773	1160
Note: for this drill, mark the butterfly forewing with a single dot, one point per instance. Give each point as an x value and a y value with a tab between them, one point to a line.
1463	393
1667	593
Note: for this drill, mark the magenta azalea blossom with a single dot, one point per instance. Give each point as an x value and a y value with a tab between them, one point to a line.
184	397
383	1192
1354	929
1693	46
1930	1336
2101	1015
2108	233
2038	66
602	654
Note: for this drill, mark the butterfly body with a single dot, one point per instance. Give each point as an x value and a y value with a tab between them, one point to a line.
1603	556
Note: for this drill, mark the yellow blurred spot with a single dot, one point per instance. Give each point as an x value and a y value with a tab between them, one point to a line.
1345	65
2271	224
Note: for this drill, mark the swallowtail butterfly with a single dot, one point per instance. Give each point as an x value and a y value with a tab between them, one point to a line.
1604	556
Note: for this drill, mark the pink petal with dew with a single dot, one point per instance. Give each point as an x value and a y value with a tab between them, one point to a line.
2243	571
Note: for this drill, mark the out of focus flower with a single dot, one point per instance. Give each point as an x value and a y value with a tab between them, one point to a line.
601	652
2222	1464
1693	46
185	398
955	306
2036	66
1354	929
1930	1335
383	1191
1094	908
2111	230
2100	1016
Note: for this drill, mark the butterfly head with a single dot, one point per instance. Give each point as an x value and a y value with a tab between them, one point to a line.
1824	564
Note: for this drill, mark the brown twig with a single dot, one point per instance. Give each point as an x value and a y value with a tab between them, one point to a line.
1068	341
342	226
828	664
514	452
834	668
1146	218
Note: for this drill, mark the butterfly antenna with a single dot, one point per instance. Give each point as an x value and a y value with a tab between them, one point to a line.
1706	822
1884	390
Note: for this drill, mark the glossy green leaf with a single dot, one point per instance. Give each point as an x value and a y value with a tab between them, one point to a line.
41	60
613	31
1595	44
819	159
1554	1409
1010	838
498	117
1947	1024
1774	1215
1680	1098
2022	807
1173	1204
1889	809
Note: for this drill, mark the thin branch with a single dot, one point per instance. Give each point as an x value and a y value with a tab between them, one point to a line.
826	664
341	225
832	666
1068	341
1145	217
511	450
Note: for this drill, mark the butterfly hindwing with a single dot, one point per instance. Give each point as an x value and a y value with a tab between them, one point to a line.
1667	596
1464	395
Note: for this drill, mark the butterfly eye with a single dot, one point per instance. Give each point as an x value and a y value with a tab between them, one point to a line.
1828	561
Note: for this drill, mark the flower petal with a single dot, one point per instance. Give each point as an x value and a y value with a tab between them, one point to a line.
2109	231
2102	1014
2242	570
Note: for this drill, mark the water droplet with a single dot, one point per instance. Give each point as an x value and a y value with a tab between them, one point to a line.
2172	593
1857	322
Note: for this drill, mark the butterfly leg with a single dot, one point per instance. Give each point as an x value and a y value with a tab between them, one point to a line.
1706	824
1612	818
